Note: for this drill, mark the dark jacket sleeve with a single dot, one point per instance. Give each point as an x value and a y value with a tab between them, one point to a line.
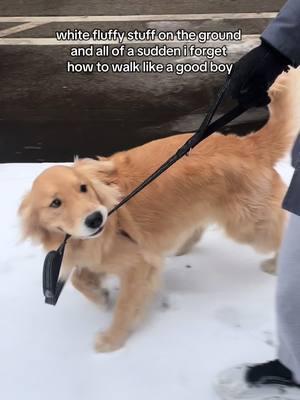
284	32
296	152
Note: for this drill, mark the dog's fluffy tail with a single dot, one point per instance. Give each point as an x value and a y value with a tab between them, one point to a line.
275	139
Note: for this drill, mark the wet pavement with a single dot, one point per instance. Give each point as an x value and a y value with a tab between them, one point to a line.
47	114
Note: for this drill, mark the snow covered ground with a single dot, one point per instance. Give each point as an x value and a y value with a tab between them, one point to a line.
218	310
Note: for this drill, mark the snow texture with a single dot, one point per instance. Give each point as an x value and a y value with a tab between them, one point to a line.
216	310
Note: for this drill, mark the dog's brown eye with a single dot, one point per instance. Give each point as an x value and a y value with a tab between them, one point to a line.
55	203
83	188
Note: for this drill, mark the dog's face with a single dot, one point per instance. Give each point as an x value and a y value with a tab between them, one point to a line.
70	200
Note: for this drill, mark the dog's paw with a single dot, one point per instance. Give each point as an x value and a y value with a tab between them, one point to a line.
269	266
105	343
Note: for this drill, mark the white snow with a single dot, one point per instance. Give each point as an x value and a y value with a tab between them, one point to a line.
220	312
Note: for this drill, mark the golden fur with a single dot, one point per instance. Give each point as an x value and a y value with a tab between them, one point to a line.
230	181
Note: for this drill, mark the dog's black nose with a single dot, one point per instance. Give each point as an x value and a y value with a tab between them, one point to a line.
94	220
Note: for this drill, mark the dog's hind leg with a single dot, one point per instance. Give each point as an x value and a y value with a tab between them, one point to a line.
89	284
269	238
264	235
270	266
262	225
190	242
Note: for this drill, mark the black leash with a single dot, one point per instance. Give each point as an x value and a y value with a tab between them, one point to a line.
52	285
199	136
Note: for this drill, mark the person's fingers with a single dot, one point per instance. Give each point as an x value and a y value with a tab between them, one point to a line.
255	99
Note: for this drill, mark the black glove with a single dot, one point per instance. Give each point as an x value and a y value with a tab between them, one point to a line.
254	73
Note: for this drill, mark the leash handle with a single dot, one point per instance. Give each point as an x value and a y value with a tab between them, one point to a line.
200	135
52	285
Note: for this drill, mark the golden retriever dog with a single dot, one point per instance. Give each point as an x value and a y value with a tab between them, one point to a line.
230	181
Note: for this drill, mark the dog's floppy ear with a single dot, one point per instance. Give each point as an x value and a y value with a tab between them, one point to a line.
102	175
29	219
101	168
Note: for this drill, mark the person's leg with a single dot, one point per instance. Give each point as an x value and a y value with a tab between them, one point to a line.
296	152
278	378
288	298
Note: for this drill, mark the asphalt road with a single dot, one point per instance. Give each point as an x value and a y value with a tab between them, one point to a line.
47	114
132	7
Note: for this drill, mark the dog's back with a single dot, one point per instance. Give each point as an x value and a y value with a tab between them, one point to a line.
226	179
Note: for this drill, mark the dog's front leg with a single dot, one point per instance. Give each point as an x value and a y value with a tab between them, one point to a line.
138	285
89	284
